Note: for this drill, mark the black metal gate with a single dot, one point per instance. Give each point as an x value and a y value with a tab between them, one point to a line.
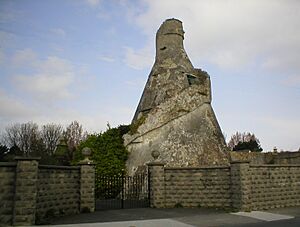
118	192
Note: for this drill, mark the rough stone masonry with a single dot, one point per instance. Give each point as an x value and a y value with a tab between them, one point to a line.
174	115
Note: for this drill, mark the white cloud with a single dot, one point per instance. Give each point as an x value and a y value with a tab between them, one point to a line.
50	81
15	111
2	56
7	39
57	48
138	59
285	132
106	58
40	93
59	32
11	108
93	2
105	15
6	16
24	57
138	83
292	81
250	37
232	34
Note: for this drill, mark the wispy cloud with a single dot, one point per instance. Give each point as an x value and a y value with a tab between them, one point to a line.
24	57
139	59
93	2
292	81
102	14
6	16
13	108
7	39
51	78
138	83
230	34
106	58
2	56
288	139
59	32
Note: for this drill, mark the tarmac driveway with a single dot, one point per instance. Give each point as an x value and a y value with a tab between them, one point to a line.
180	217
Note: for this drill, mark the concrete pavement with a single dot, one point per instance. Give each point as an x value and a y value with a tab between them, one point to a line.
180	217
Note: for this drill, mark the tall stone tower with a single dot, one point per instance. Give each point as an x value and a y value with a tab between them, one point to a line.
174	115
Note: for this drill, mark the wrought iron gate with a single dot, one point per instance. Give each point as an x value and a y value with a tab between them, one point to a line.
118	192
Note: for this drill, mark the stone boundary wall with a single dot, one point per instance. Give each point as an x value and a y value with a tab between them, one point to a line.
31	193
274	186
260	158
7	188
58	191
239	186
197	187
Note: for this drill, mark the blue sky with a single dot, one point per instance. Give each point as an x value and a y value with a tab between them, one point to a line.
88	60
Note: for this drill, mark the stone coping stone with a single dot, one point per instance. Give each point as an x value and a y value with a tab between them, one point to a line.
58	167
197	168
8	164
276	165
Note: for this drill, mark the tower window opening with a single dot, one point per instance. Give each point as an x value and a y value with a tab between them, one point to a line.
192	80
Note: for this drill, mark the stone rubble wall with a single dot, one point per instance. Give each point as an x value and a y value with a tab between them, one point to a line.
7	188
240	186
31	193
275	186
58	190
198	187
259	158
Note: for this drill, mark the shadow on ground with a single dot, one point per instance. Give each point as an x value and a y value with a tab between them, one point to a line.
133	214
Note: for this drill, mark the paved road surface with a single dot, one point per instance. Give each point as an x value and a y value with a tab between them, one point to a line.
181	217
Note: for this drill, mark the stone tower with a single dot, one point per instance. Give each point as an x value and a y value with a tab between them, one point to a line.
174	115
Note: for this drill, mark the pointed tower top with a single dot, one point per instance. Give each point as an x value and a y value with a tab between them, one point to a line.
169	38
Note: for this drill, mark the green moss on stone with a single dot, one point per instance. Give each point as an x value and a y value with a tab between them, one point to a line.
134	126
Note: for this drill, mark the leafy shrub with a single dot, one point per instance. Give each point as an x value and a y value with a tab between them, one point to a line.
108	152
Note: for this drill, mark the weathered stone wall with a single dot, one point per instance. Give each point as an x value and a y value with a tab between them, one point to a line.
58	191
7	188
197	187
275	186
25	191
287	158
31	193
252	157
258	158
157	185
239	186
87	187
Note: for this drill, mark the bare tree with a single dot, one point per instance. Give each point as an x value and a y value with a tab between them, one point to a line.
25	136
50	135
10	137
74	134
239	137
27	139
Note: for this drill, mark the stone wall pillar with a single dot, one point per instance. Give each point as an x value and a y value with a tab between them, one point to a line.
25	191
87	183
157	184
240	185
